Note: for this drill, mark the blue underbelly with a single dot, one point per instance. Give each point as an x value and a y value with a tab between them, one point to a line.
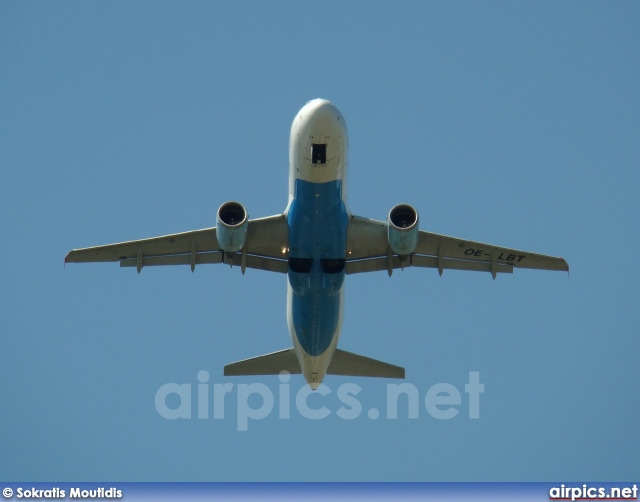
317	221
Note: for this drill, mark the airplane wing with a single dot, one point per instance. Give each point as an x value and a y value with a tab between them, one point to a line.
266	240
368	250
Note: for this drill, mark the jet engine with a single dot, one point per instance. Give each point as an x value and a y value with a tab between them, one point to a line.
403	229
233	223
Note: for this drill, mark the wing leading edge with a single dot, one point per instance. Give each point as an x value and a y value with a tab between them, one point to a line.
368	250
265	249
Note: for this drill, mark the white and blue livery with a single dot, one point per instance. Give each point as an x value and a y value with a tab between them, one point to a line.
316	242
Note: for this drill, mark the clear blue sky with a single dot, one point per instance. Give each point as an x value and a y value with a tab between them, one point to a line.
510	123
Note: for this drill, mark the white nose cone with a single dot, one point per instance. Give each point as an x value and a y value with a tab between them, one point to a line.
318	145
319	101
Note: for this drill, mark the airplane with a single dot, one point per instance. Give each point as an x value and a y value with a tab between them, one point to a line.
316	242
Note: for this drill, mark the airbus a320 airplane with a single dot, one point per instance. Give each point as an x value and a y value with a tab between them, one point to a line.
316	242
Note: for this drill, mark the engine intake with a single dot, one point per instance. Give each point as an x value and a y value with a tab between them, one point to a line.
403	229
233	223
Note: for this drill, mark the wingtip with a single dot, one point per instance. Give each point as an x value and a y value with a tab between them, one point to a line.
67	258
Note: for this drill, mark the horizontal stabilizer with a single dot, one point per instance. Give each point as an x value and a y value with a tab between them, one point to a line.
342	363
269	364
349	364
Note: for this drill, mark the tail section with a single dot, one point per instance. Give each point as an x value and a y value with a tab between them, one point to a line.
342	363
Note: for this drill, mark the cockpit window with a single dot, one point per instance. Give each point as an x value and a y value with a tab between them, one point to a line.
318	154
332	266
300	265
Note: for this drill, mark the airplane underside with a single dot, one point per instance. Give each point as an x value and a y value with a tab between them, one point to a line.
316	242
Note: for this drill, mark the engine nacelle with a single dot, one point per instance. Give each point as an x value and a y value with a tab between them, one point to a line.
403	229
233	223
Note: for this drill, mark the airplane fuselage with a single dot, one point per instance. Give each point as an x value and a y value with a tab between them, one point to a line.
317	218
315	242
